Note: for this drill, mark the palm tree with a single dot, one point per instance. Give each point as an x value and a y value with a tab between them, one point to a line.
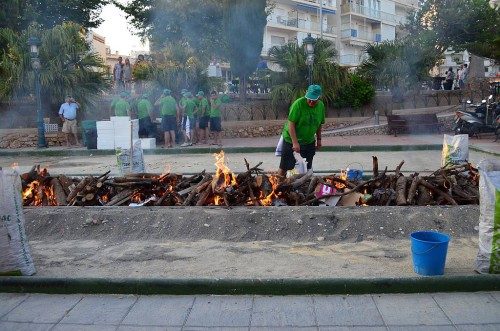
67	66
398	65
292	82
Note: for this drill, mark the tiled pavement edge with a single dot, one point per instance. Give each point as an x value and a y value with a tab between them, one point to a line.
437	311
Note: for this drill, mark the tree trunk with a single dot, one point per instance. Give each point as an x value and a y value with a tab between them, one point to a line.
243	89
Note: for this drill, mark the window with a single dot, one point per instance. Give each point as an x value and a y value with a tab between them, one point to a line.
277	40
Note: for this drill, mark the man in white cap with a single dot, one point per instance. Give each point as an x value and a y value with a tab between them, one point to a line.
302	132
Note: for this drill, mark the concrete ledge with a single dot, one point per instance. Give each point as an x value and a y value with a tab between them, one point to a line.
249	286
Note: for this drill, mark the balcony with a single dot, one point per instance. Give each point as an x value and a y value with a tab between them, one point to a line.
368	12
329	3
363	36
349	60
288	22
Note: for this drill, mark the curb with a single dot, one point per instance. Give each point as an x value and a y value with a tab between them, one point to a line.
197	150
326	286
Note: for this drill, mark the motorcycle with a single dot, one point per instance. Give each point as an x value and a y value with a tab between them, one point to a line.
485	119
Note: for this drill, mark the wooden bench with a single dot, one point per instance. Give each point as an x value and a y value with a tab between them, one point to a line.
413	123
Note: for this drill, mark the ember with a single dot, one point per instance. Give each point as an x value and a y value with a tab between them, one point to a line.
453	185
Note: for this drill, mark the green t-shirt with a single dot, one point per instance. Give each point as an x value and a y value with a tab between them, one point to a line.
143	108
113	104
204	102
307	121
182	102
121	107
190	107
168	106
215	111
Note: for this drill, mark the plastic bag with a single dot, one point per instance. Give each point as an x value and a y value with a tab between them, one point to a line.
15	258
455	150
123	159
488	257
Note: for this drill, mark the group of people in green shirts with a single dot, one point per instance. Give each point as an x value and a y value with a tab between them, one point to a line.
196	115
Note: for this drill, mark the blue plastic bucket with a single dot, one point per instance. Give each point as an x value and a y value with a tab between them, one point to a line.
354	174
429	252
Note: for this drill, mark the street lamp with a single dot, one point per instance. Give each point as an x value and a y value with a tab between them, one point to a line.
309	42
34	44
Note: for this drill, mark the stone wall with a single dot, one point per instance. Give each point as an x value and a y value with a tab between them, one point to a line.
28	138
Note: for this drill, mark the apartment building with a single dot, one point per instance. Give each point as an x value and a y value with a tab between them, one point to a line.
349	24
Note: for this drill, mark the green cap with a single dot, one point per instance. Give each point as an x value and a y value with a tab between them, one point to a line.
314	92
67	96
188	94
123	94
166	91
200	94
145	95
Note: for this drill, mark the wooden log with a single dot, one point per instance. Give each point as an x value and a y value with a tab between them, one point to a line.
29	176
443	194
78	188
424	195
375	166
59	194
410	200
144	182
66	182
204	195
119	196
167	192
401	191
192	194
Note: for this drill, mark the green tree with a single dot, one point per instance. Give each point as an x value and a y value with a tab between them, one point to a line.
67	66
357	93
292	82
20	14
398	65
198	23
473	25
244	20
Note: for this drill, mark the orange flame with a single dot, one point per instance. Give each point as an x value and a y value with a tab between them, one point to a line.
31	191
268	200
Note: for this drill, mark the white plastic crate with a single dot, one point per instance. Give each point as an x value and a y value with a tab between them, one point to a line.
51	127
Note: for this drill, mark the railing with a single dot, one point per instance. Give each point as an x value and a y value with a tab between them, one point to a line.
369	12
302	24
330	3
359	34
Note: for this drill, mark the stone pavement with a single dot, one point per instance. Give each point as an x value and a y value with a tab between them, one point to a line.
437	311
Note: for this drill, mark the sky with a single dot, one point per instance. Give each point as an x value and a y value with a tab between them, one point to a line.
117	32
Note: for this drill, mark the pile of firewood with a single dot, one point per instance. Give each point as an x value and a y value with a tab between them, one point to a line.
453	185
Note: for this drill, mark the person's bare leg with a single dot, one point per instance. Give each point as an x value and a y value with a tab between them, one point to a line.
67	139
172	135
76	139
166	137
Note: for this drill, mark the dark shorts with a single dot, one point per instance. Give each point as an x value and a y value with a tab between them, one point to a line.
215	124
288	160
192	123
204	122
168	123
145	126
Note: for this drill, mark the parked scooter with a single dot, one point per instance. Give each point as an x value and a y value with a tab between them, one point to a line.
483	120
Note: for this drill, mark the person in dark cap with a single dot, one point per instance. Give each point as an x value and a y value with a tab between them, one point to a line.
204	116
302	132
122	106
170	116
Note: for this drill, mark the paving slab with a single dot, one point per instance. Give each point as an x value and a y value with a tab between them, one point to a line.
283	311
347	311
461	308
217	311
160	312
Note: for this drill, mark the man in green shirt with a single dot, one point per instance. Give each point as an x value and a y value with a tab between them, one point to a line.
122	107
302	132
170	116
145	116
204	116
215	118
188	121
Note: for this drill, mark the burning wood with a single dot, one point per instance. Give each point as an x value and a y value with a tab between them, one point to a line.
454	185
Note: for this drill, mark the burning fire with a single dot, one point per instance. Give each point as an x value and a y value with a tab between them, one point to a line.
224	178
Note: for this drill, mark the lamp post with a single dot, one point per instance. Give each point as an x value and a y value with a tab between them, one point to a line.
34	44
309	42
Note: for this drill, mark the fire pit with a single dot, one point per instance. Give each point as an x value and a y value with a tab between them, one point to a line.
453	185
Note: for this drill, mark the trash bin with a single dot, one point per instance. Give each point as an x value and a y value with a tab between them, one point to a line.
91	138
88	125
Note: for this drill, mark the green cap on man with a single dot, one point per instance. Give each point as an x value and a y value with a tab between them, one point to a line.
314	92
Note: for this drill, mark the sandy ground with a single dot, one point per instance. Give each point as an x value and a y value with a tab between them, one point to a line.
256	259
246	242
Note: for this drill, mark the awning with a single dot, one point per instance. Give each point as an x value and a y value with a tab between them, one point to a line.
372	20
326	11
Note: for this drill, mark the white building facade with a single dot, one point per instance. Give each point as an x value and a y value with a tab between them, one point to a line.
349	24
